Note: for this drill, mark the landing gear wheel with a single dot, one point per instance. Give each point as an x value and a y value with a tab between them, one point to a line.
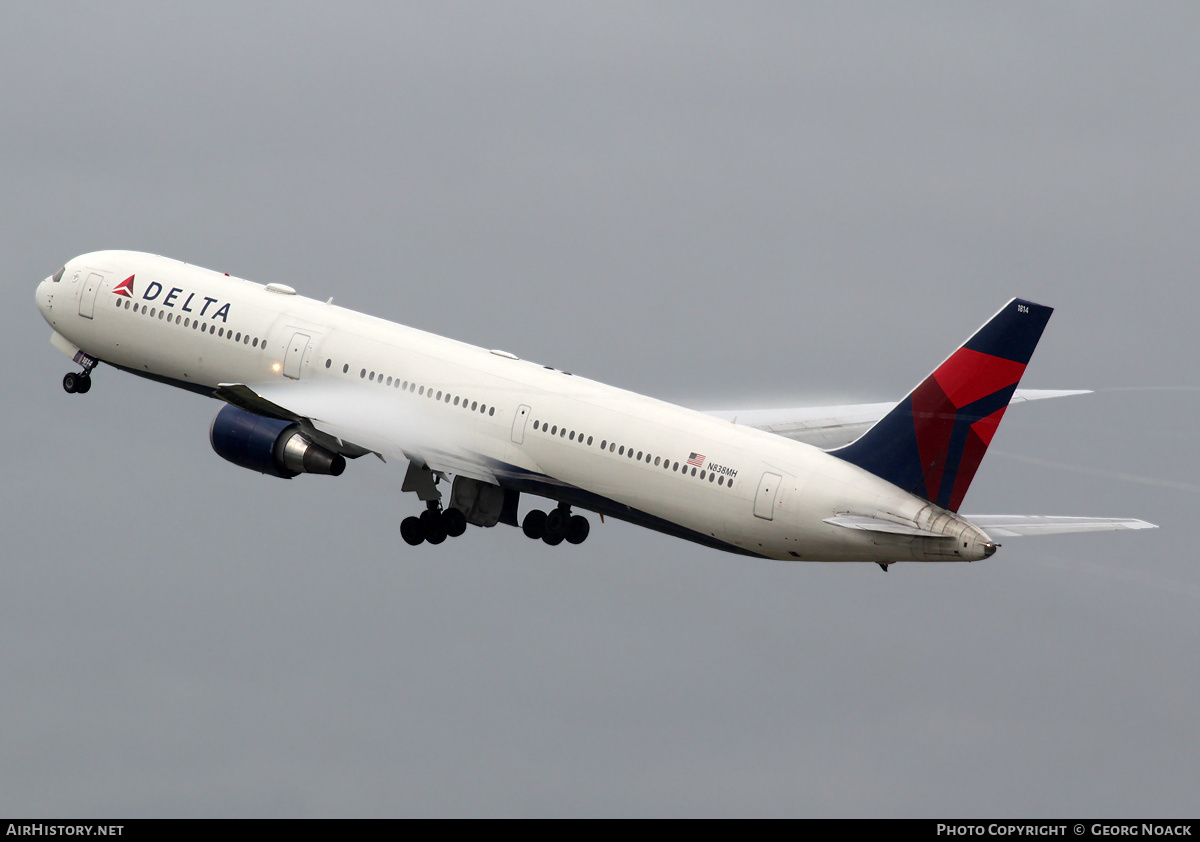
552	540
556	525
71	382
436	535
534	525
411	531
577	529
431	525
85	384
454	522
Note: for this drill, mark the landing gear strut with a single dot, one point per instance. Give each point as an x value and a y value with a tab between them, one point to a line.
434	525
557	526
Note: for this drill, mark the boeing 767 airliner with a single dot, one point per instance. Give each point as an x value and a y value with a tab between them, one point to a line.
307	385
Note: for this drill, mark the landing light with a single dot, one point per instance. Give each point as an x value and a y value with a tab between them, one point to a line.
275	367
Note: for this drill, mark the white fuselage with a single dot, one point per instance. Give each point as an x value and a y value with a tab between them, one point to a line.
467	411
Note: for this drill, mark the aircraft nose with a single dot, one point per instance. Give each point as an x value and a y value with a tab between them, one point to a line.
45	298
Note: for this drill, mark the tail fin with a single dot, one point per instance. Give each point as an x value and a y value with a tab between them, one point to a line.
933	441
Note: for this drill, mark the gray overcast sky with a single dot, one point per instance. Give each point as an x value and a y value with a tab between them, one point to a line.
725	205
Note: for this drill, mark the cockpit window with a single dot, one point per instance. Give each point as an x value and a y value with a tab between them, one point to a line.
58	275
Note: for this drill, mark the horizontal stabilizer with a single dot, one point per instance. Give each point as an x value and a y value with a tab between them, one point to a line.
875	524
1013	526
828	427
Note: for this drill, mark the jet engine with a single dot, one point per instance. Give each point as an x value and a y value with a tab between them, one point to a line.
270	445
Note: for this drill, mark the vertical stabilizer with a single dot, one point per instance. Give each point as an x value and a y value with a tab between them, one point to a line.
933	441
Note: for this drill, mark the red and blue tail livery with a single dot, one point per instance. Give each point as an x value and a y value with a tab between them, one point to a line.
931	444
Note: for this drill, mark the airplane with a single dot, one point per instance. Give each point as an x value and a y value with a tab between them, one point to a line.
307	385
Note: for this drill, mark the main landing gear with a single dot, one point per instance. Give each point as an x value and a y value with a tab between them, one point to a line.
434	525
557	526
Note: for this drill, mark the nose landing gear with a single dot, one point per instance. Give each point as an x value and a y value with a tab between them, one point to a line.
77	383
80	383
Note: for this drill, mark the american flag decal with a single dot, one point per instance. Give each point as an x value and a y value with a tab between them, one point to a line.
696	459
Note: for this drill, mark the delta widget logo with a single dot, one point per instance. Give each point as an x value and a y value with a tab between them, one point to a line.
125	288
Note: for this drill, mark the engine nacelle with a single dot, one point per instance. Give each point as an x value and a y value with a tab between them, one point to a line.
270	445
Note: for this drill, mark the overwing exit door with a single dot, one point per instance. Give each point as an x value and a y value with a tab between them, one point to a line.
293	362
518	430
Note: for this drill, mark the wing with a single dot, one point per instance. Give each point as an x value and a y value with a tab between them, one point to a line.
1013	526
828	427
341	420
